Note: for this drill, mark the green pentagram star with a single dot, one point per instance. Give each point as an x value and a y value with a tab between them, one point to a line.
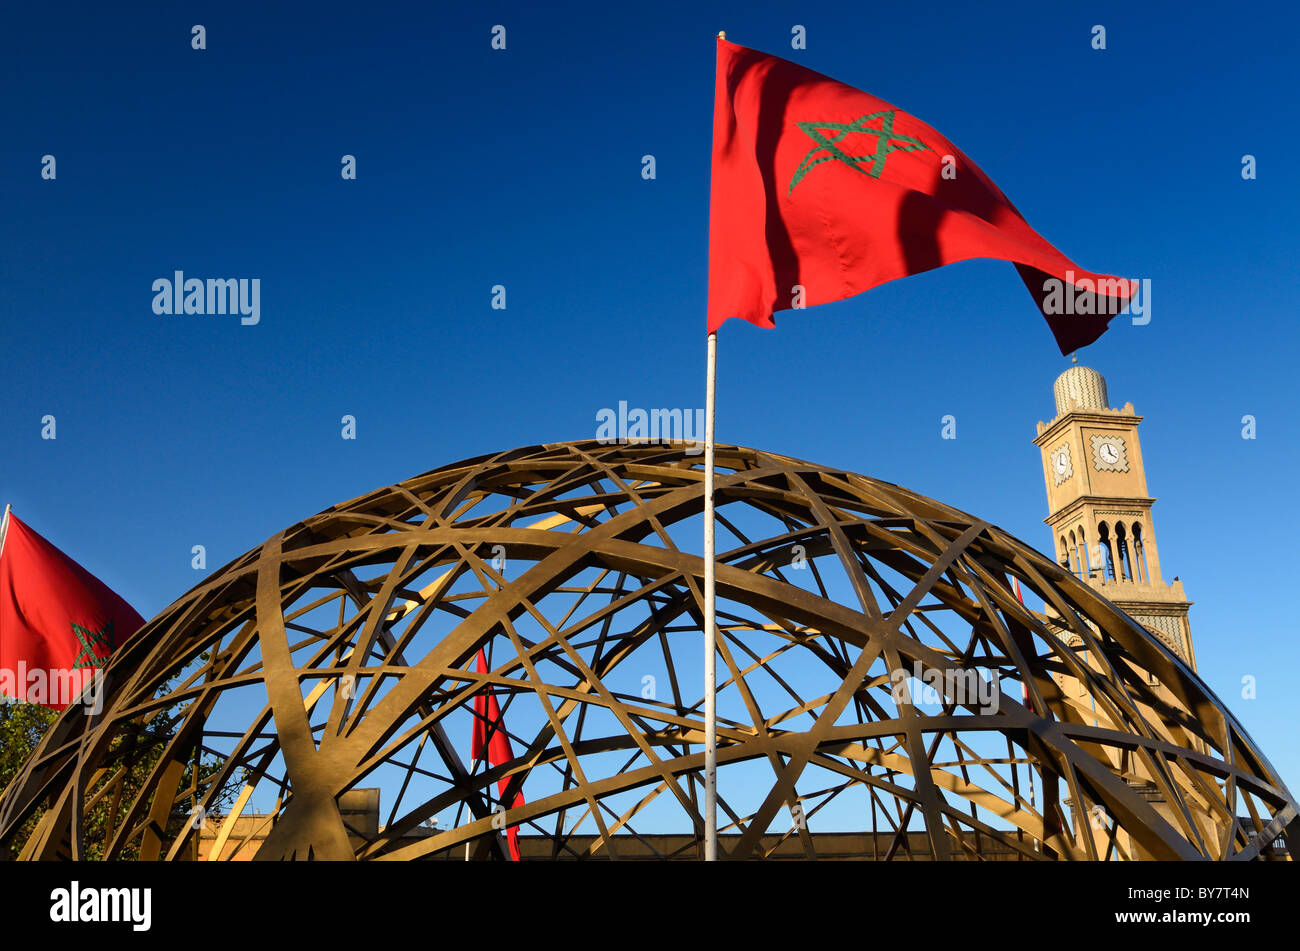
89	640
885	139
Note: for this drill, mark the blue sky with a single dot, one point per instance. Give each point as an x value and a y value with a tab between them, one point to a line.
522	168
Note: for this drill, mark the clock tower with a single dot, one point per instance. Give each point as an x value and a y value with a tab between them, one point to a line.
1099	508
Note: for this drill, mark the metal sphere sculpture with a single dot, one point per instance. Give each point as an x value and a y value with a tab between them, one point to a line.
881	687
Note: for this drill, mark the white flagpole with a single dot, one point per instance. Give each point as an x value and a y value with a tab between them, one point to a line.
4	527
710	613
710	622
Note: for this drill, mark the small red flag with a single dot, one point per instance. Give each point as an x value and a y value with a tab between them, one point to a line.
821	191
58	622
487	717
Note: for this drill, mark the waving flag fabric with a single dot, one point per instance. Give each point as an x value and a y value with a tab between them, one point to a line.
58	622
821	191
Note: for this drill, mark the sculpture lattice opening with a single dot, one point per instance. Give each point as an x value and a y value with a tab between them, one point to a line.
341	655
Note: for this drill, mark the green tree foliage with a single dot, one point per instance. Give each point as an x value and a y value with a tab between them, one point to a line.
21	727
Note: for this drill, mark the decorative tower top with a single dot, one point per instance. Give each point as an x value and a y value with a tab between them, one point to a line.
1084	385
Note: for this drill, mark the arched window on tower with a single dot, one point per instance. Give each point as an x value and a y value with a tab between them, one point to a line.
1064	557
1085	565
1121	545
1073	555
1107	554
1140	554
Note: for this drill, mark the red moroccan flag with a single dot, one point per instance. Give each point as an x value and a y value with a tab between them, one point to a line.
487	717
827	188
58	622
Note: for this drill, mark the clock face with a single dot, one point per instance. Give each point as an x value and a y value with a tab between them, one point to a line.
1108	453
1061	468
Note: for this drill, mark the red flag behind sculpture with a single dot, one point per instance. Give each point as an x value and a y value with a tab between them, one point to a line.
487	719
55	617
822	187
